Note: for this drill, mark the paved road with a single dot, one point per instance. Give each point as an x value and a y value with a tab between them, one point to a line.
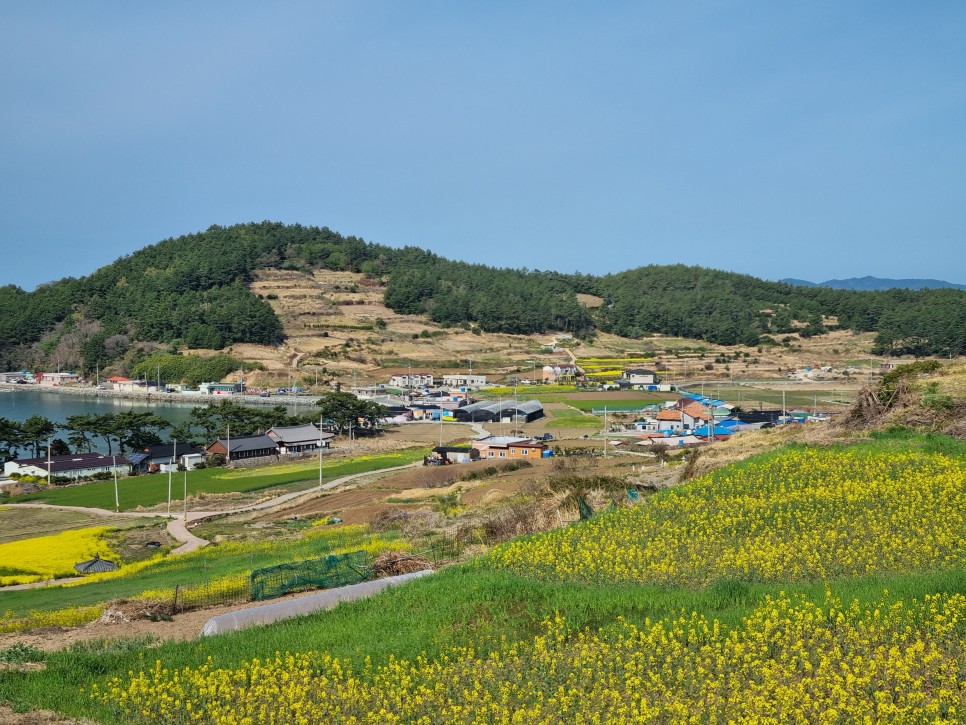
178	526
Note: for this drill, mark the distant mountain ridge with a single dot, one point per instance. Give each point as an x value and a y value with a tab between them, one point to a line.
870	283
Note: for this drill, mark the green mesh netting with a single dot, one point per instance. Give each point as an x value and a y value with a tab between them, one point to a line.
335	570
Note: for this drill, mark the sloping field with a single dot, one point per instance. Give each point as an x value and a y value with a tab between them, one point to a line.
806	585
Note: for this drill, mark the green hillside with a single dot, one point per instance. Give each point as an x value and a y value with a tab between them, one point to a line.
194	291
803	585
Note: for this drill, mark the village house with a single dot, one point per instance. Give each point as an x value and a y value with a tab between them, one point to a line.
58	378
508	447
640	376
299	438
75	465
669	419
412	380
244	447
455	454
693	415
221	388
164	457
13	377
466	381
559	373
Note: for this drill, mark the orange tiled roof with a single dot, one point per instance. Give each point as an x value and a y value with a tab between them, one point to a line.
669	415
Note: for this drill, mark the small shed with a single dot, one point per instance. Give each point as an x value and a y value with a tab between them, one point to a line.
457	454
97	565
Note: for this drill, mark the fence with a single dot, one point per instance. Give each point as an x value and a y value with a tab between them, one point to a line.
227	590
328	572
335	570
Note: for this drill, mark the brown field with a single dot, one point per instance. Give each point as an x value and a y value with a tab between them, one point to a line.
318	311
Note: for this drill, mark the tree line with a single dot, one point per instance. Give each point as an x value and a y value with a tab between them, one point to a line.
132	431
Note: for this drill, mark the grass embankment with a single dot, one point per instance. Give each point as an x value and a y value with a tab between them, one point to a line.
152	489
784	588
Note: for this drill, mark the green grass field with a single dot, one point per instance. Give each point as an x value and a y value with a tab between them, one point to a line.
152	489
570	418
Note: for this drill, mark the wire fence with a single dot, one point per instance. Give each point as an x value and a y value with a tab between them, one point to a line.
327	572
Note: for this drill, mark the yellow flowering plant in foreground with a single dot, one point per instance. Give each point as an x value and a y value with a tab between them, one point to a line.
804	514
50	557
789	661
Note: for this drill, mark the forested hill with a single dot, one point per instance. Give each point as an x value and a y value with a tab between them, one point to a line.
194	290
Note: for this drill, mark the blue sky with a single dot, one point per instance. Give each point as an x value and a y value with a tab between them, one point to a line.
812	140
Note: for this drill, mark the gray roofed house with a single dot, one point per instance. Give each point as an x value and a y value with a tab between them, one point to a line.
299	438
258	446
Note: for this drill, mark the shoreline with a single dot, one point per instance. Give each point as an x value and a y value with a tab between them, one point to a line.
159	398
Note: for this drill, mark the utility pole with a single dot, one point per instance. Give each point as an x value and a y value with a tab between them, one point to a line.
186	495
320	451
228	446
605	431
48	462
117	503
174	458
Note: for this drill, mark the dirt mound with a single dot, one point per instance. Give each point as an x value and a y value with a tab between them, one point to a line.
392	563
123	611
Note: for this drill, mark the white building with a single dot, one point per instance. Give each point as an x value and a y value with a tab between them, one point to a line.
468	381
412	380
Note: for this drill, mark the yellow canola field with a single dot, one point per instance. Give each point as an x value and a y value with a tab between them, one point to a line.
803	514
50	557
789	661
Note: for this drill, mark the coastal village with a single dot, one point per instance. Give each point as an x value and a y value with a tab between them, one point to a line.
683	420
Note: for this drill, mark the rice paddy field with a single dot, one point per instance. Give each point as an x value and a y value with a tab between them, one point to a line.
804	585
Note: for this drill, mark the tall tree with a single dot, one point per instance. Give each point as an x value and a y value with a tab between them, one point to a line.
11	438
36	431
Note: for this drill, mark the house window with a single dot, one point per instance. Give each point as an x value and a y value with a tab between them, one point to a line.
526	452
502	454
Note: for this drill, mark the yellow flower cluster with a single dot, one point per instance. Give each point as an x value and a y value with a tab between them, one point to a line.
799	515
49	557
604	373
790	661
69	617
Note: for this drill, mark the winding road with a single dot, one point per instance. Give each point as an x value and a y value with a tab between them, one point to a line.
178	525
